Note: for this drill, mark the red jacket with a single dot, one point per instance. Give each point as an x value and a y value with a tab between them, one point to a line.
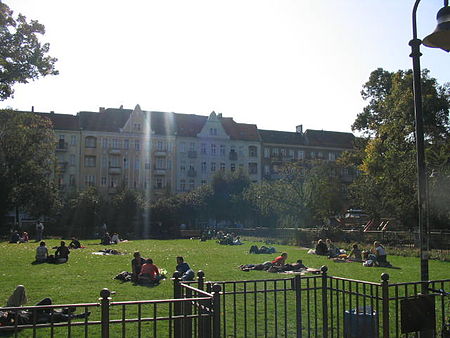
150	269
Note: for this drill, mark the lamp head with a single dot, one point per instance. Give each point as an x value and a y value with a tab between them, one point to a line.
440	38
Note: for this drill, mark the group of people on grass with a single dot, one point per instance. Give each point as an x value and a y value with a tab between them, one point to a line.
279	264
144	271
107	239
61	254
11	317
228	238
376	256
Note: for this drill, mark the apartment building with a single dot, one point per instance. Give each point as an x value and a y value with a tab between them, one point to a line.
307	147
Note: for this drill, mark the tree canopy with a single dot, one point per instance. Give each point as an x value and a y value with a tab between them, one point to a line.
387	186
27	162
22	56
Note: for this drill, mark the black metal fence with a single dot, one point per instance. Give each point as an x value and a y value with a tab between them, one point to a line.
295	306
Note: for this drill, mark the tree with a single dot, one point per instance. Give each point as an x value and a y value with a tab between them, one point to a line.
22	56
388	180
27	145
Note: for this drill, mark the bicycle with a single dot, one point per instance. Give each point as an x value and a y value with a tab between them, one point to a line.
445	330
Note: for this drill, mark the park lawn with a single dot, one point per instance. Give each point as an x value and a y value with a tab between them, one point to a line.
82	278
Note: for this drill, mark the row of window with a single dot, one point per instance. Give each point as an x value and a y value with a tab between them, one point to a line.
125	144
215	149
114	181
252	167
299	154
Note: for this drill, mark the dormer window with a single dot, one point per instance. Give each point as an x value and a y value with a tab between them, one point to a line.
213	131
137	126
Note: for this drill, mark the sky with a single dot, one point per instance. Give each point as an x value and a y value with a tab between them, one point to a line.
273	63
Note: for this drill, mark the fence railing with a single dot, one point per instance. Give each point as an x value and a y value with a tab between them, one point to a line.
297	306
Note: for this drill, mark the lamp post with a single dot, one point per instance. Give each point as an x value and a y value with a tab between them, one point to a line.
440	38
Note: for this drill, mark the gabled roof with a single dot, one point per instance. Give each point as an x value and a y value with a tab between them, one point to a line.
62	121
323	138
315	138
189	125
281	137
240	131
110	119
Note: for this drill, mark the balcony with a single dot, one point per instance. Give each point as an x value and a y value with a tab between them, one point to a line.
61	146
62	166
192	173
159	171
233	156
115	151
115	170
192	154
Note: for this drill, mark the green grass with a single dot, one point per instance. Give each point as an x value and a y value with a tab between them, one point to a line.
81	279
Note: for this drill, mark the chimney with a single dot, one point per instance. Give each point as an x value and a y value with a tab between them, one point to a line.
101	109
32	109
299	129
52	112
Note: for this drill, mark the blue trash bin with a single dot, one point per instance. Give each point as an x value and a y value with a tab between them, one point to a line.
361	322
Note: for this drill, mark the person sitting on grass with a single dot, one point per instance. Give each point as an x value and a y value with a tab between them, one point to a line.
25	238
356	253
106	239
62	253
75	244
115	238
15	237
280	260
380	253
136	265
332	250
321	248
24	317
41	253
183	268
149	273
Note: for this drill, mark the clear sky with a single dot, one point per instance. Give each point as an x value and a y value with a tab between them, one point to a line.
275	63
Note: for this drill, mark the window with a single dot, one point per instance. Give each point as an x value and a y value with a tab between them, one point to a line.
192	146
104	143
253	168
137	164
125	163
275	151
160	163
72	180
137	126
137	145
203	167
291	153
191	184
203	148
266	152
103	181
213	166
301	155
331	156
115	143
267	169
222	166
89	180
203	182
182	147
320	154
147	165
233	167
104	162
160	146
91	142
159	182
114	162
222	150
212	131
72	159
169	164
73	140
283	152
252	151
126	143
89	161
182	166
182	185
112	181
213	150
313	154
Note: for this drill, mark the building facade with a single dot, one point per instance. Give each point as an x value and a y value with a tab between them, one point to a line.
164	153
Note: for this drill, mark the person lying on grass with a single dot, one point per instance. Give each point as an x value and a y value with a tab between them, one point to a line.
280	260
19	298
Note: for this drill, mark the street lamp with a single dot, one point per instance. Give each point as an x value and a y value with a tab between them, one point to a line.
440	38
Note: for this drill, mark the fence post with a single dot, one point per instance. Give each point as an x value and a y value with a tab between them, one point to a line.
324	270
177	309
216	308
385	296
201	279
104	303
298	304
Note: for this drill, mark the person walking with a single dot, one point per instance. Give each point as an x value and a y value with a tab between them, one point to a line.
39	231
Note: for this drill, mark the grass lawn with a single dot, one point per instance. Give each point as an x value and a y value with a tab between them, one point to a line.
82	278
